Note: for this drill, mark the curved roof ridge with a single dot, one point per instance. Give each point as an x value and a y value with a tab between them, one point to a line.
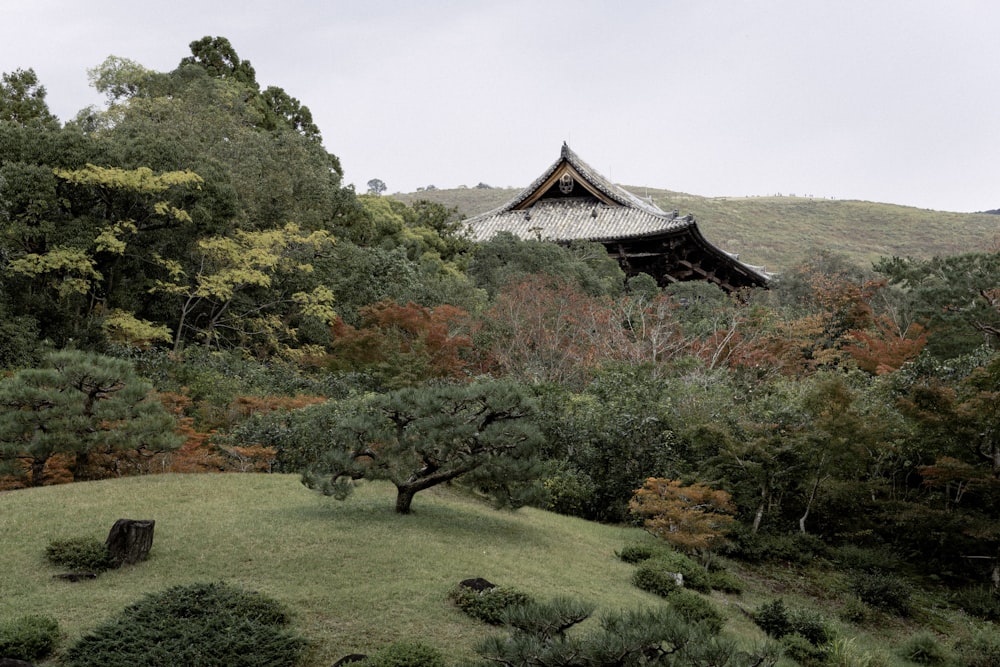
616	192
597	180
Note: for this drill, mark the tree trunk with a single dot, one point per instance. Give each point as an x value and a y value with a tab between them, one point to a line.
130	541
812	497
759	515
404	497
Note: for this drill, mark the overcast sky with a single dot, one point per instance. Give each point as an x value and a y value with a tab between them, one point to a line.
883	100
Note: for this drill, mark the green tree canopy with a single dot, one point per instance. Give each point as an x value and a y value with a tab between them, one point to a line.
419	438
22	99
79	403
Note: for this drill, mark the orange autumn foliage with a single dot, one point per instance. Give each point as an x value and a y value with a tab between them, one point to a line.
692	518
886	348
409	343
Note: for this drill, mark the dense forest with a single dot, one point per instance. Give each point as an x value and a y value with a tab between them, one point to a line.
186	284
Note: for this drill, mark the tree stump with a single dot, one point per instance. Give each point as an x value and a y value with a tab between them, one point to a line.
130	541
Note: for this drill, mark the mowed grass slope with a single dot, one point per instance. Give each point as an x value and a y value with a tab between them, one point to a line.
355	575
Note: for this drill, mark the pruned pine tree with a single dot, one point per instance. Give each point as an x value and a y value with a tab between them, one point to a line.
81	404
419	438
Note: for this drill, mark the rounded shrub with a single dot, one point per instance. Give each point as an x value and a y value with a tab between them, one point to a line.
29	638
923	648
405	654
654	576
695	576
697	610
490	604
80	554
636	553
210	625
725	582
810	625
883	591
855	611
803	651
773	618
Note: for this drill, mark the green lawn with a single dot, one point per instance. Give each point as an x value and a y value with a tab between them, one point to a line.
355	574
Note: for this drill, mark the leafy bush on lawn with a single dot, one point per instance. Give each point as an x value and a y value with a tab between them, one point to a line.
697	610
638	552
655	576
209	625
488	605
29	637
80	554
405	654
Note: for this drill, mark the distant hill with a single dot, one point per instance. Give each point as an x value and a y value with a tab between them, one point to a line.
779	232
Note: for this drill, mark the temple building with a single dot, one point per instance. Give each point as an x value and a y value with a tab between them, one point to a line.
572	202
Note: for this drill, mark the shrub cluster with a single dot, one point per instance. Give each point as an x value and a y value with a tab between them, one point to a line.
697	610
653	576
798	548
982	649
80	554
923	648
659	567
779	622
29	638
488	605
210	625
638	552
978	601
882	591
405	654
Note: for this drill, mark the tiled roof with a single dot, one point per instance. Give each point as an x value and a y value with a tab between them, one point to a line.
607	213
575	219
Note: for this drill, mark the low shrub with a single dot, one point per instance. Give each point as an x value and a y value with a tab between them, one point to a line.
923	648
29	638
488	605
655	576
80	554
803	651
772	617
978	601
725	582
695	576
855	611
810	625
882	591
209	625
870	559
778	621
405	654
696	609
982	649
638	552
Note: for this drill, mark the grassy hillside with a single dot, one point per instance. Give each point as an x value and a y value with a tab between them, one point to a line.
779	232
356	575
